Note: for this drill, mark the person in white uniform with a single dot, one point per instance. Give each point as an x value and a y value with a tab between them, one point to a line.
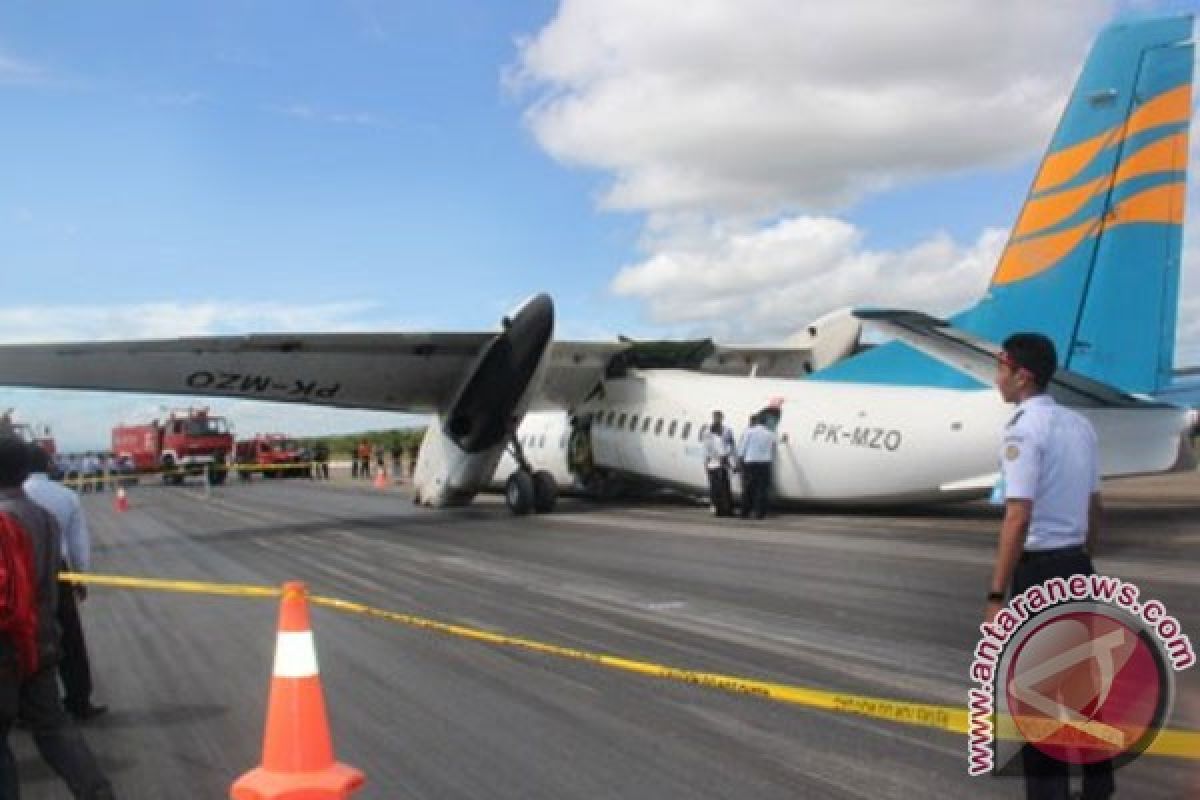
757	453
718	461
1051	486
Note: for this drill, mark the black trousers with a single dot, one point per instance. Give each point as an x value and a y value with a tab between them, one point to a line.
1048	778
719	491
756	487
57	740
74	669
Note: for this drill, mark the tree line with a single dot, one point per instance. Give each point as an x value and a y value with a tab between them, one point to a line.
344	445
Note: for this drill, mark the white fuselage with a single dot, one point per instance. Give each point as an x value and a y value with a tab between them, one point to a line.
838	442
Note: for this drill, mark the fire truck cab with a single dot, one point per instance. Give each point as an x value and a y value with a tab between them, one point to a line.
272	455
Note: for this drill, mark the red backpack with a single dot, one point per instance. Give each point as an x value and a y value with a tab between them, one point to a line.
18	592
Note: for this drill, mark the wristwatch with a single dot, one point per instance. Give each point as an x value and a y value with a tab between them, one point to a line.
995	597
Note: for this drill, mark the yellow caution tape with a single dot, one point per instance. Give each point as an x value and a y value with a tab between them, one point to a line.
194	587
124	477
1173	743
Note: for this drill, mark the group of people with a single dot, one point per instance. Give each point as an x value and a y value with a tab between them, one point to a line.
365	454
42	531
752	457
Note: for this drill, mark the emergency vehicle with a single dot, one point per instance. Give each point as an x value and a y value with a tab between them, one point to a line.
271	455
39	435
187	442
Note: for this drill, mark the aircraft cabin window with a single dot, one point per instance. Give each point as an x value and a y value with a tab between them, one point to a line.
671	430
542	440
609	419
633	423
687	430
621	420
658	427
646	424
703	432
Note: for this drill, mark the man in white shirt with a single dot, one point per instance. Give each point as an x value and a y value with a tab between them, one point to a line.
718	458
758	451
1051	482
74	668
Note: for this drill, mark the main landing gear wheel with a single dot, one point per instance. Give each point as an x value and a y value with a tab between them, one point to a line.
545	492
519	493
527	490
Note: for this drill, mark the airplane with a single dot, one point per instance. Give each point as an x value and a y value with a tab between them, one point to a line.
1092	261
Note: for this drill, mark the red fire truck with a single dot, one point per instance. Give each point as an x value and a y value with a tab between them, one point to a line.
272	455
39	435
188	442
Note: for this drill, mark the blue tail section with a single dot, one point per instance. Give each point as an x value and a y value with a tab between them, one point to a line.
1093	259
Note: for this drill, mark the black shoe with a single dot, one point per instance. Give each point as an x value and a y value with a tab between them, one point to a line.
88	712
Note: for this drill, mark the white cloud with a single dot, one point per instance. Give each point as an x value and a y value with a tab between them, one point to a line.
741	129
166	319
312	114
176	99
17	72
767	283
768	104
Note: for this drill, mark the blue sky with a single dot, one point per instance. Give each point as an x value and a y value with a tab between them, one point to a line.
226	167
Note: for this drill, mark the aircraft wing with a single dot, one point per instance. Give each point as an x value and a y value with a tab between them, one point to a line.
409	372
978	358
415	372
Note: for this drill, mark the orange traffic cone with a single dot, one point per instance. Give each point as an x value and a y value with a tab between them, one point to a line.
297	760
381	480
121	501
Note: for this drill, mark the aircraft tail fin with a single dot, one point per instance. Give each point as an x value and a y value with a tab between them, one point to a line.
1093	259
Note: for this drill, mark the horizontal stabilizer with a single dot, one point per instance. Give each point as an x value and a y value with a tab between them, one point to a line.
978	358
1180	393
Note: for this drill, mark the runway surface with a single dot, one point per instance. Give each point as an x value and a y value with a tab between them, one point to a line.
884	604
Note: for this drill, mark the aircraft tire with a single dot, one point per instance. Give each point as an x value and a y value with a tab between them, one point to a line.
518	493
545	492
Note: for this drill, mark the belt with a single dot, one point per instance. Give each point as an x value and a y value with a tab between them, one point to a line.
1058	552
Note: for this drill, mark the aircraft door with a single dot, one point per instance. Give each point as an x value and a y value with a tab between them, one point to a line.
580	461
604	439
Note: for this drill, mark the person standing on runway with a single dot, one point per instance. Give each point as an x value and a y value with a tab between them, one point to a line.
719	454
74	669
1051	488
34	696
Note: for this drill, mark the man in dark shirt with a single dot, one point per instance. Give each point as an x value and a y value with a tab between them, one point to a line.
35	697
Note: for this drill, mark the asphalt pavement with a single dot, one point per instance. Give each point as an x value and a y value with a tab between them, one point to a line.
883	604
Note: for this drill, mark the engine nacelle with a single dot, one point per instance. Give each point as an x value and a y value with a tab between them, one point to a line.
460	453
829	338
447	475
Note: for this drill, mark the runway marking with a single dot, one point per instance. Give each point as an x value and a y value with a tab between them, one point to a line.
1172	743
